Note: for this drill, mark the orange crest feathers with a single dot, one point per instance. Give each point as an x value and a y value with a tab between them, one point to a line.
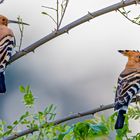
133	58
129	53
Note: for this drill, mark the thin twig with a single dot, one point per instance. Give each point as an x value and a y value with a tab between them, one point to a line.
49	8
68	118
50	17
128	18
68	27
57	14
63	13
21	28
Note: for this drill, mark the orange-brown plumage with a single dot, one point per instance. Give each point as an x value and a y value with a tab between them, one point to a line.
133	59
4	30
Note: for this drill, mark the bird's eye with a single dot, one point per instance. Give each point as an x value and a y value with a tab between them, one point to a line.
3	19
139	56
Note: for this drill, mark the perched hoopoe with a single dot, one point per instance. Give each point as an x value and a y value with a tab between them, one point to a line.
7	42
128	85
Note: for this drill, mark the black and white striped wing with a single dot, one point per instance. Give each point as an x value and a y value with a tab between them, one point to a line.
6	46
128	86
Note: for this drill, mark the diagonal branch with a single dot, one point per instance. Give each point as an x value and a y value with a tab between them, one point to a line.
68	118
68	27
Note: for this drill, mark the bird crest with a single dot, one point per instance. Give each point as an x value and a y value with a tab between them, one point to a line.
133	58
129	53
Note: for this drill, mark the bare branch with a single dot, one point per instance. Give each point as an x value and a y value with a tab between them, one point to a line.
66	28
68	118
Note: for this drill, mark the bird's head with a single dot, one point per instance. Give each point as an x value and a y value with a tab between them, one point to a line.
3	20
133	57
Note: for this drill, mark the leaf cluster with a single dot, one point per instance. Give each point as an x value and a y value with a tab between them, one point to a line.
97	128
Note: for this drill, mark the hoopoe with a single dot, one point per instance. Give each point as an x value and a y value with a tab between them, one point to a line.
7	42
128	85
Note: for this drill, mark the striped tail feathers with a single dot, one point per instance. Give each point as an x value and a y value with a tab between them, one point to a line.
122	110
2	83
122	105
120	119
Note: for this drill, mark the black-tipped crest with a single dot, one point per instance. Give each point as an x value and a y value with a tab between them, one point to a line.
126	51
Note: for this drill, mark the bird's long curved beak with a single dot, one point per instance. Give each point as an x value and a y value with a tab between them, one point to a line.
17	22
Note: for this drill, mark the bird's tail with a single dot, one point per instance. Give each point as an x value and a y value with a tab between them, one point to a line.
2	83
120	119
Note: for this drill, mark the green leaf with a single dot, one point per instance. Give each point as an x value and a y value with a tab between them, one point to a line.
29	99
62	135
81	130
44	13
15	122
10	127
40	113
25	121
27	89
21	89
24	116
118	137
36	117
99	129
52	117
7	132
50	109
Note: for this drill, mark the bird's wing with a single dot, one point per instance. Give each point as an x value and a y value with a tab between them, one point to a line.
128	86
6	47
